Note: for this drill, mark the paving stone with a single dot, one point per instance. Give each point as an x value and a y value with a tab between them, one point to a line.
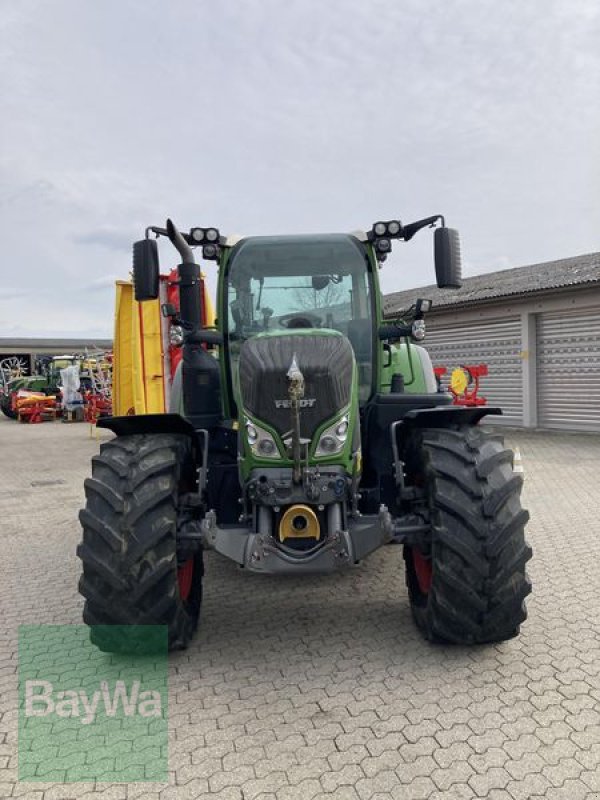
384	781
493	757
531	785
419	789
348	776
570	790
567	768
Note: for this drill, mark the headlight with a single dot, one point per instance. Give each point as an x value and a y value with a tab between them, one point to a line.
209	252
252	433
197	234
333	439
212	234
380	228
342	429
176	335
267	447
328	444
393	227
418	330
262	444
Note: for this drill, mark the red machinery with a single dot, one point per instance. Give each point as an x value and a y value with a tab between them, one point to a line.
176	351
34	408
96	406
464	383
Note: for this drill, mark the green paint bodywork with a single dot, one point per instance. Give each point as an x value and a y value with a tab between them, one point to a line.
405	360
344	458
31	383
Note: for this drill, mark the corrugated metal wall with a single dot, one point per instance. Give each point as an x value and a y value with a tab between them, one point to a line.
496	343
568	370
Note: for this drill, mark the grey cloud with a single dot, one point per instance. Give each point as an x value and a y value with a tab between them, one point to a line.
13	294
104	283
109	238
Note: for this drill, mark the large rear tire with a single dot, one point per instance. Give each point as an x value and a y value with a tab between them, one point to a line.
130	572
470	585
6	407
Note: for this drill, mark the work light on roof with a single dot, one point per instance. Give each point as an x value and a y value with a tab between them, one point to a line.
201	235
210	252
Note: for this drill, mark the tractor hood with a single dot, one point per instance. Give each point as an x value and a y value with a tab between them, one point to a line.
326	361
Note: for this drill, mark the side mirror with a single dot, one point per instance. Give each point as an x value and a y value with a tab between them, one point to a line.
446	249
145	270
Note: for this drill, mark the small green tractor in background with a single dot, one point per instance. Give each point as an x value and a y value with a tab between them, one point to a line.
304	432
13	379
46	379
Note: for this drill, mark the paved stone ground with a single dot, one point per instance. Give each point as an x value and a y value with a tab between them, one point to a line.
298	689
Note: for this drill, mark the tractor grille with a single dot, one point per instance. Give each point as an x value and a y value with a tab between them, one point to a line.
325	360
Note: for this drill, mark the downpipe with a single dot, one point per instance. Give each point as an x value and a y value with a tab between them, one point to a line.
189	278
200	372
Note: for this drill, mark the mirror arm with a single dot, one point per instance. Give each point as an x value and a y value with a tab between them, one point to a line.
409	230
156	230
393	333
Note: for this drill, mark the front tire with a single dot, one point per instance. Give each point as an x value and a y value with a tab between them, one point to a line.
131	576
470	585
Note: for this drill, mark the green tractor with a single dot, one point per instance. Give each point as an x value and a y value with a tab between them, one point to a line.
46	380
13	380
304	432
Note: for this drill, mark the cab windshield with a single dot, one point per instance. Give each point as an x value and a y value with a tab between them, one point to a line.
284	283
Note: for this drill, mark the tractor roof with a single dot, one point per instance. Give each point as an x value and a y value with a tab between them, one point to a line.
340	252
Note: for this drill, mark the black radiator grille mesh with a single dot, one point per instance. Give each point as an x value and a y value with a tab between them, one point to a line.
325	360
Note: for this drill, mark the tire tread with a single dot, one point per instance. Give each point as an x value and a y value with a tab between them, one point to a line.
128	551
478	551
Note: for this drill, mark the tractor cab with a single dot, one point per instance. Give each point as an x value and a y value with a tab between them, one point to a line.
276	285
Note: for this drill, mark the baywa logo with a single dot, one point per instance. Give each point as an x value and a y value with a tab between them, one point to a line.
41	701
87	715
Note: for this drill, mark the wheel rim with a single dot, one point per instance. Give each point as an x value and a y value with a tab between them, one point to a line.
185	577
423	570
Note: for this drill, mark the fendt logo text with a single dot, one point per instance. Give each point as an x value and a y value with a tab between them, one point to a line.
305	402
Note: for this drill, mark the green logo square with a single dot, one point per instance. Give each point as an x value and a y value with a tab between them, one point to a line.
86	715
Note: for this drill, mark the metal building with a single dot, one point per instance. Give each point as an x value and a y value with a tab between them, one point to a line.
538	330
27	350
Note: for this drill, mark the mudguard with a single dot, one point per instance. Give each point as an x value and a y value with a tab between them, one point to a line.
443	416
147	423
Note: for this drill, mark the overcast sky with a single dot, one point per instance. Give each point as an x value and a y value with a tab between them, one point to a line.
287	116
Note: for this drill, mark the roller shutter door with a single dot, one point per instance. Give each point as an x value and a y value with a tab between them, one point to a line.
495	343
568	370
